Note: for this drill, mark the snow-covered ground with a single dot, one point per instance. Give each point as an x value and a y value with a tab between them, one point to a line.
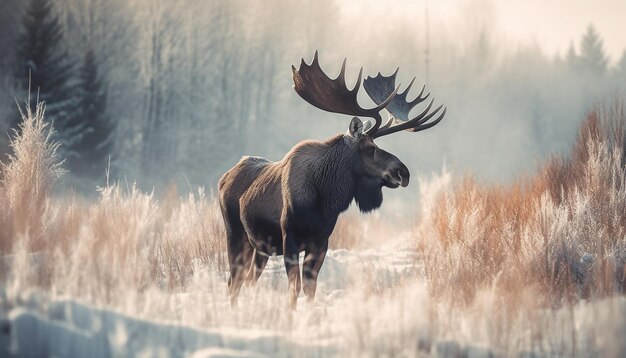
369	303
200	322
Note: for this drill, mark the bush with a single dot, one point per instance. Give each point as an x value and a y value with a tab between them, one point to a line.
125	240
27	181
554	237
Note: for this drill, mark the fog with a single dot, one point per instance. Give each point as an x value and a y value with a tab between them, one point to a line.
553	24
194	85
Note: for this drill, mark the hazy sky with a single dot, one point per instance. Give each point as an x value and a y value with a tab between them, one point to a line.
553	24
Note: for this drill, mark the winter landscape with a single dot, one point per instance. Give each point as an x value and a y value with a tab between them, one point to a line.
118	119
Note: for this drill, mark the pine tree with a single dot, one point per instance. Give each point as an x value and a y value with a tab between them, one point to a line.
592	58
43	60
571	57
621	66
94	141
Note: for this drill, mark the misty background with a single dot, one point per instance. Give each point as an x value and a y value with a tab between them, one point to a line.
168	92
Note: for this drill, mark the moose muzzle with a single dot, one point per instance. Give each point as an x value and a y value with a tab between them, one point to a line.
397	175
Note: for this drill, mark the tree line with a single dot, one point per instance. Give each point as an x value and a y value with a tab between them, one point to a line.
158	90
150	88
69	85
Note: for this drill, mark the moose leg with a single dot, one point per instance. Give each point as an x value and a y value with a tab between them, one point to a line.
292	266
239	256
313	260
257	266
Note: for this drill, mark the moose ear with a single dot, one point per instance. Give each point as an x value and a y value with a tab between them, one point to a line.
356	128
367	125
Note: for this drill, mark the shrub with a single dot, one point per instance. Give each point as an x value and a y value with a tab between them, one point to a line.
556	236
124	240
27	180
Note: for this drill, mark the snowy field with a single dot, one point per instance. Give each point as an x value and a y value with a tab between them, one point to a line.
200	322
369	303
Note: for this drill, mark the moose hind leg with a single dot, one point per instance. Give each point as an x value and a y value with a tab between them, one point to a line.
257	266
239	257
313	260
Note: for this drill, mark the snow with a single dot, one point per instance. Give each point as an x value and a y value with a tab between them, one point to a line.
72	329
369	303
65	327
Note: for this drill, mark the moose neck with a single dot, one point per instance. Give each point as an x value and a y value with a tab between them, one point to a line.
337	182
333	176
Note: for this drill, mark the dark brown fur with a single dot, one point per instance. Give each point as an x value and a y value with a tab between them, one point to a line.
290	206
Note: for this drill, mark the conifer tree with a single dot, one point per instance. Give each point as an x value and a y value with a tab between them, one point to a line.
44	67
94	140
592	57
621	66
571	57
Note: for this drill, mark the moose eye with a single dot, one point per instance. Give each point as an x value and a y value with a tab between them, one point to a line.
370	148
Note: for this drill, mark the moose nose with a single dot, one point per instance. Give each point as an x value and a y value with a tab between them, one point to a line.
403	174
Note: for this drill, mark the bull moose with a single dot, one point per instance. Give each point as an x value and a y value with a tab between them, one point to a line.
290	206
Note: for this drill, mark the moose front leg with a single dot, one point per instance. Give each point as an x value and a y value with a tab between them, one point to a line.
292	266
313	260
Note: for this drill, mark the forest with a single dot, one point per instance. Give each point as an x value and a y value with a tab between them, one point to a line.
159	93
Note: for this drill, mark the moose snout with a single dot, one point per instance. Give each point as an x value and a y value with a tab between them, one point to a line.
397	175
403	173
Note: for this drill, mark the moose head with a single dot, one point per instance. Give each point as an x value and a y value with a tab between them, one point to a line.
375	167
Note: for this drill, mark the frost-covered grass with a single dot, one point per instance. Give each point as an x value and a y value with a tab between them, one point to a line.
125	240
26	181
547	241
535	267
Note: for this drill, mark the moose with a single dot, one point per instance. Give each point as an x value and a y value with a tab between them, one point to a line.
292	205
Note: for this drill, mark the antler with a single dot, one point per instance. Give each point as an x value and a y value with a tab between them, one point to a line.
379	87
315	87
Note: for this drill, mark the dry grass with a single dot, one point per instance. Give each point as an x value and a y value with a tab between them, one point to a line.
98	250
357	231
545	240
350	231
27	180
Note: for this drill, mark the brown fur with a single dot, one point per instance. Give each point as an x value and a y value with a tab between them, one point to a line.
289	206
